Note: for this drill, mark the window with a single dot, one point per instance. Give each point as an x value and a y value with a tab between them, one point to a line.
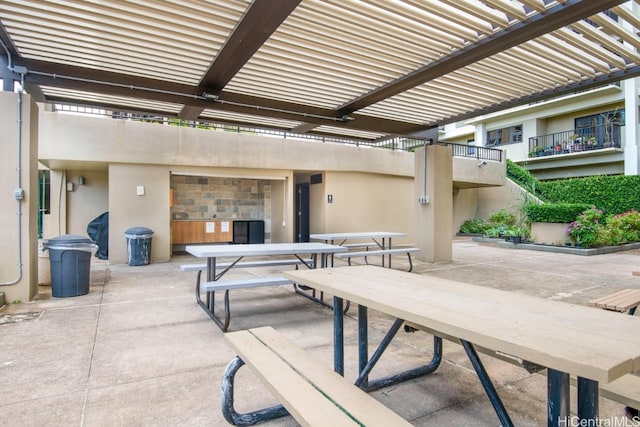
589	126
510	135
44	189
602	128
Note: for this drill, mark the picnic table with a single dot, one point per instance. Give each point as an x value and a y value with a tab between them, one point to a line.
380	239
214	282
567	339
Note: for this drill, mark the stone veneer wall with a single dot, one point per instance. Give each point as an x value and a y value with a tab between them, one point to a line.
197	198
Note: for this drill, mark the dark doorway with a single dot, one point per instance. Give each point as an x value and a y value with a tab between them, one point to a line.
302	212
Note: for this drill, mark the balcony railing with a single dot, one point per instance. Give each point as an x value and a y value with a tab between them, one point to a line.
576	140
475	152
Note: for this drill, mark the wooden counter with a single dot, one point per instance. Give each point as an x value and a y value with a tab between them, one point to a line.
200	231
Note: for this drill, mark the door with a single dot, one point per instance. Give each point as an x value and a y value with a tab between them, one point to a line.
302	212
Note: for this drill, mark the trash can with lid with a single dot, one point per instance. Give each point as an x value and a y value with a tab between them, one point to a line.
70	262
139	245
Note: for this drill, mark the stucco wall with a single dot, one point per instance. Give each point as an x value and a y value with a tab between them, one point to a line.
128	209
19	244
465	206
93	139
510	197
368	202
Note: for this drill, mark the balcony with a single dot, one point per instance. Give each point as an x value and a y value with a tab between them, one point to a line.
576	140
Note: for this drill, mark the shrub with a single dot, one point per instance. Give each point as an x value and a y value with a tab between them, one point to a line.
474	226
620	229
586	230
612	194
521	176
502	217
554	212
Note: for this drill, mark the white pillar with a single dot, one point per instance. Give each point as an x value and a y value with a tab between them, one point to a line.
631	140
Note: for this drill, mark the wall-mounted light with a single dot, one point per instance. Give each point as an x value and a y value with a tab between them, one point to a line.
81	180
482	163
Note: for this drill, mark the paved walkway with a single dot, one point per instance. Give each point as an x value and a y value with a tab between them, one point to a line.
137	350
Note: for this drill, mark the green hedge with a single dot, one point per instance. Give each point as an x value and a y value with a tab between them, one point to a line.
554	212
522	177
612	194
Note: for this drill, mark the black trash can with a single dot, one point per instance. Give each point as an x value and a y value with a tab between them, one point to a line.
139	245
70	262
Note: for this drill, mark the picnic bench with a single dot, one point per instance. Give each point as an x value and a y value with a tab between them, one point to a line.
382	252
566	339
626	389
225	266
623	301
307	389
211	287
379	239
214	281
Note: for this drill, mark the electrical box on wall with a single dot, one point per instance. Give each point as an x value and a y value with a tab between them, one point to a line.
140	190
423	200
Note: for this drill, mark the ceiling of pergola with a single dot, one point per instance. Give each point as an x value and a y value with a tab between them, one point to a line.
358	68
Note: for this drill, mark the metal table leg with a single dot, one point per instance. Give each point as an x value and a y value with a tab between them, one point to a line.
558	398
587	401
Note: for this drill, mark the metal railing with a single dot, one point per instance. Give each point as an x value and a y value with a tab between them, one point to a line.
576	140
476	152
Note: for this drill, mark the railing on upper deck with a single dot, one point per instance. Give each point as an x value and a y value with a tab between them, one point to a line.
480	153
576	140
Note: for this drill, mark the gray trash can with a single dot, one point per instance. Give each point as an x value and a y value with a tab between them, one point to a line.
70	262
139	245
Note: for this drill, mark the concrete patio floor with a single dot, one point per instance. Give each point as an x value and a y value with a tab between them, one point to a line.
138	350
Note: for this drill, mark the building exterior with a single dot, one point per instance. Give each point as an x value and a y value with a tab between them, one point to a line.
587	133
151	175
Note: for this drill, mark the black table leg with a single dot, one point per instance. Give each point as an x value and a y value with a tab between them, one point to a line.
489	388
338	336
588	401
557	398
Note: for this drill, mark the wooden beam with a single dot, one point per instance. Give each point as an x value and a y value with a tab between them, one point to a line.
255	27
116	84
556	17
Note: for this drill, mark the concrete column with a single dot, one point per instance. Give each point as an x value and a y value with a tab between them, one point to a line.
18	197
434	216
631	150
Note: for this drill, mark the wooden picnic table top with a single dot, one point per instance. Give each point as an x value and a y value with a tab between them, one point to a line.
574	339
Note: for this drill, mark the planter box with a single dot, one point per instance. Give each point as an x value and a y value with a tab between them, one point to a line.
549	233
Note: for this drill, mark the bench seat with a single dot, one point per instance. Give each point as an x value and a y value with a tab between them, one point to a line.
625	300
210	288
308	389
625	390
392	251
253	282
